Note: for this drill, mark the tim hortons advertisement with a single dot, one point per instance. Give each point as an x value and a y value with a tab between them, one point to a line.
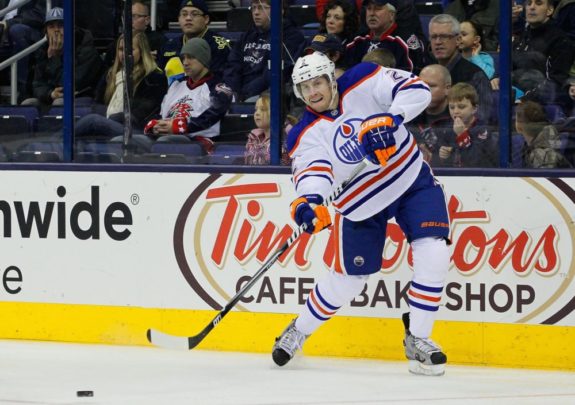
190	241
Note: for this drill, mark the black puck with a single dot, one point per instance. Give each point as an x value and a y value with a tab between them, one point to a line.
85	393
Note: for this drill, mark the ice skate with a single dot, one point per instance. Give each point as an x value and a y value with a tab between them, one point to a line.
424	355
287	344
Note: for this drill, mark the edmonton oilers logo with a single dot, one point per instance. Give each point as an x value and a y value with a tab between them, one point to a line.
345	143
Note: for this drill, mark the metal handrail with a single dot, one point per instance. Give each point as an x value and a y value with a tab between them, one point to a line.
14	6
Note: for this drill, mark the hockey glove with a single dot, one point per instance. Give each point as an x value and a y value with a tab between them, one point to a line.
307	210
376	137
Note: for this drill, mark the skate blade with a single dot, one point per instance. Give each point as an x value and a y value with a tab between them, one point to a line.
418	368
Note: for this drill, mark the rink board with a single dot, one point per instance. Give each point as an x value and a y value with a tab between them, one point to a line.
101	257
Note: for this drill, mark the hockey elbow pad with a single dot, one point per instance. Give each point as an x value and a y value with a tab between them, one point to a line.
308	210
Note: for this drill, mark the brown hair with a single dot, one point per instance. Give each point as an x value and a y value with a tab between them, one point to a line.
462	91
532	116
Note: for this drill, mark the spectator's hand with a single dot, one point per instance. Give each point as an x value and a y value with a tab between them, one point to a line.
445	152
55	44
376	137
308	210
58	92
475	51
162	127
516	11
458	126
495	83
426	152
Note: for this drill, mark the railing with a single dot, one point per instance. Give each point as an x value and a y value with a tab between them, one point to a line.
13	60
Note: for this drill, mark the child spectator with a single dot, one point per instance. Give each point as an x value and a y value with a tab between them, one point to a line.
340	17
471	44
470	143
258	145
541	149
483	12
247	72
149	86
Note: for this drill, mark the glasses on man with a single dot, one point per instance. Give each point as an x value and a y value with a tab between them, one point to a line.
442	37
136	16
192	14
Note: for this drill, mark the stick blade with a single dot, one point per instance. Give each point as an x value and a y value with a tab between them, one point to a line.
166	341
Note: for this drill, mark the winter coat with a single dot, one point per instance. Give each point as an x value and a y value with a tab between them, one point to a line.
548	52
543	151
247	72
48	72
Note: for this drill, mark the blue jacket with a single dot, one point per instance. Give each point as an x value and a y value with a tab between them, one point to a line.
247	71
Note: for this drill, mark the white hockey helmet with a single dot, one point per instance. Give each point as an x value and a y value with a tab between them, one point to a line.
311	66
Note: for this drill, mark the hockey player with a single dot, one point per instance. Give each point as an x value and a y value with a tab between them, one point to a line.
361	115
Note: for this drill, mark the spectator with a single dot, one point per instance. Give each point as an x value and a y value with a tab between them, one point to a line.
258	145
433	125
340	17
322	5
469	143
564	15
380	56
542	55
541	139
444	32
88	66
471	45
18	30
247	72
331	46
149	86
380	19
193	108
485	13
140	23
193	20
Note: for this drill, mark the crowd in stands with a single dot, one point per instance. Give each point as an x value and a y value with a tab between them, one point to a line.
190	78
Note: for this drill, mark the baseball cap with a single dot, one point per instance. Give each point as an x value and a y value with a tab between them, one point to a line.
55	14
324	43
199	4
391	4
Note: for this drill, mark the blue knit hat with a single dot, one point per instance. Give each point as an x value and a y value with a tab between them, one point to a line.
55	14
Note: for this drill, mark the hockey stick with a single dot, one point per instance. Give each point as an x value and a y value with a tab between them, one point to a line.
189	342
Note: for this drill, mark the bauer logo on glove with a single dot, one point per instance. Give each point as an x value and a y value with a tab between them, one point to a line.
376	137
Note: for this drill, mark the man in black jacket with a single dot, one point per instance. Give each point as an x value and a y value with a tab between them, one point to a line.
444	37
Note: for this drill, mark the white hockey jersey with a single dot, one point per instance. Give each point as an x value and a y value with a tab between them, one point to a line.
325	149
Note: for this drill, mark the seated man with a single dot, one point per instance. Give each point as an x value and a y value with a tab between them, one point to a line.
193	107
47	85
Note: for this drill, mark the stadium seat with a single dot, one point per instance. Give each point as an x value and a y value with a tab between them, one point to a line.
30	112
184	149
43	147
242	108
303	15
158	158
227	154
79	111
36	157
235	127
13	125
554	112
49	124
429	7
95	157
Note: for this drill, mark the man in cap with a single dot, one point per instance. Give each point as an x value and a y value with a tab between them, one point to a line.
193	20
193	107
384	32
48	80
331	46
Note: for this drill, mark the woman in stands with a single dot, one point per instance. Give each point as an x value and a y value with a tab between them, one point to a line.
340	17
149	87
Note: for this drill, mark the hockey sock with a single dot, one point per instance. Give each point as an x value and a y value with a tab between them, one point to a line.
430	266
328	295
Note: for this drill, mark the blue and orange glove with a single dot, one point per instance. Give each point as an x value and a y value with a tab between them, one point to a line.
376	137
308	210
